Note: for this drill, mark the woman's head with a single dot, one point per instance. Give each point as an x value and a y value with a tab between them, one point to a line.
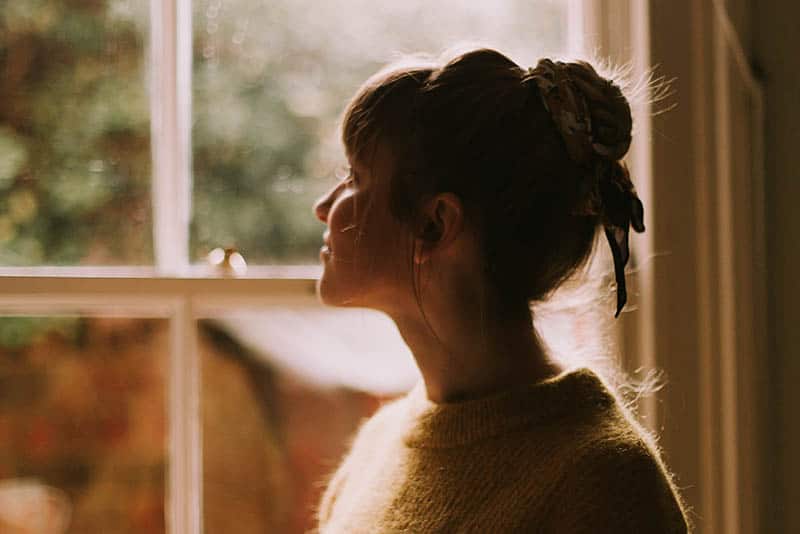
533	176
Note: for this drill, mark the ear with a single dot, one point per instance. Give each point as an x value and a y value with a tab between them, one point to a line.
440	223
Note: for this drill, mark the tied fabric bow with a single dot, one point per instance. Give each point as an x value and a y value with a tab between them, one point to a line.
608	188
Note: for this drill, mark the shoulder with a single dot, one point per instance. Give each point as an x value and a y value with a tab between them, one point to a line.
616	482
381	426
365	443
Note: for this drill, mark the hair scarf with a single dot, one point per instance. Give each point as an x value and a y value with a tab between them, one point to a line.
561	87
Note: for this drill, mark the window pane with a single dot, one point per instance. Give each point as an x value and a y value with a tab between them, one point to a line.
74	133
271	78
82	424
279	408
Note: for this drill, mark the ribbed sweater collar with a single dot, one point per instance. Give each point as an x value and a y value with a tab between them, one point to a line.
441	425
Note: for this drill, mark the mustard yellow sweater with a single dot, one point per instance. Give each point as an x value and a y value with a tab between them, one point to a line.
560	456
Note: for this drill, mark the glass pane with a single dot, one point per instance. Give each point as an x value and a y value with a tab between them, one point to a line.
74	133
279	408
82	424
270	80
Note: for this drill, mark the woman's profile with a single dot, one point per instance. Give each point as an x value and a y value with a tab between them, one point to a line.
476	187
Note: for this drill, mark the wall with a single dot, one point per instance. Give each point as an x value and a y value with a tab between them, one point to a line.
776	39
726	244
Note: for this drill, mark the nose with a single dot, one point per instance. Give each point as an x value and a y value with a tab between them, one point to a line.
323	205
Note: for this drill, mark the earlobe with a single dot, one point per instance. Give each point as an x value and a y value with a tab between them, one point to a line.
421	251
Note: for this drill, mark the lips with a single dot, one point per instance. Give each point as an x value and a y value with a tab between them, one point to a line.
325	249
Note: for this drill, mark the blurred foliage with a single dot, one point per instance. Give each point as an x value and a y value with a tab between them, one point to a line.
269	81
86	415
74	134
20	332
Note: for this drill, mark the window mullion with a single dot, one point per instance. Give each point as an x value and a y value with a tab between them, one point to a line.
170	104
170	97
185	438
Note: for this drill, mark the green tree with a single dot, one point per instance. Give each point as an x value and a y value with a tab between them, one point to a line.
74	134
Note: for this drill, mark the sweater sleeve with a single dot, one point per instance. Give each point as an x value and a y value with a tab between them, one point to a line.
329	496
337	481
620	489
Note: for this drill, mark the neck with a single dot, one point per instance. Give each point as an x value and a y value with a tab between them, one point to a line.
466	353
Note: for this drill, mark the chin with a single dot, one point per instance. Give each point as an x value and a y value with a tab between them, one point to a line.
322	292
329	295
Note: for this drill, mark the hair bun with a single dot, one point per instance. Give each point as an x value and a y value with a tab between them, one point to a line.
590	112
594	120
609	109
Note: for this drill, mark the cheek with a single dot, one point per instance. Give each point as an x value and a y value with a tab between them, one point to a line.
342	221
391	245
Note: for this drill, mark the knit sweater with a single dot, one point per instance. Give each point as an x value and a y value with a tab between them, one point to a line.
560	456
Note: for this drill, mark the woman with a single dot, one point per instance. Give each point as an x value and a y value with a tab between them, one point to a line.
476	188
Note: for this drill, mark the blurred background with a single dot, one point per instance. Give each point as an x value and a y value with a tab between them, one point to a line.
85	398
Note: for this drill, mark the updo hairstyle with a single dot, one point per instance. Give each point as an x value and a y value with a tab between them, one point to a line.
533	154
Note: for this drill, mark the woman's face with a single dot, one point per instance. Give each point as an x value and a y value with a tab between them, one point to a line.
365	257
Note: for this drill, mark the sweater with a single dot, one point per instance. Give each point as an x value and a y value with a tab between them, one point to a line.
561	456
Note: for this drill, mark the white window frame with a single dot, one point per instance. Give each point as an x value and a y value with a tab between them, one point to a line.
173	289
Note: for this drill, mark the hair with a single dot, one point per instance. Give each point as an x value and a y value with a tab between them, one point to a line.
477	126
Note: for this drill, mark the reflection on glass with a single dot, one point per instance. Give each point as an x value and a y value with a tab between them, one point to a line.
270	79
74	133
82	425
279	407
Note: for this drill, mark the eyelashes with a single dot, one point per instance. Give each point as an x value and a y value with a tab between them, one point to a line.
343	173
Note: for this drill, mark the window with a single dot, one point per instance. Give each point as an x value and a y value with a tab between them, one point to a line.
135	139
